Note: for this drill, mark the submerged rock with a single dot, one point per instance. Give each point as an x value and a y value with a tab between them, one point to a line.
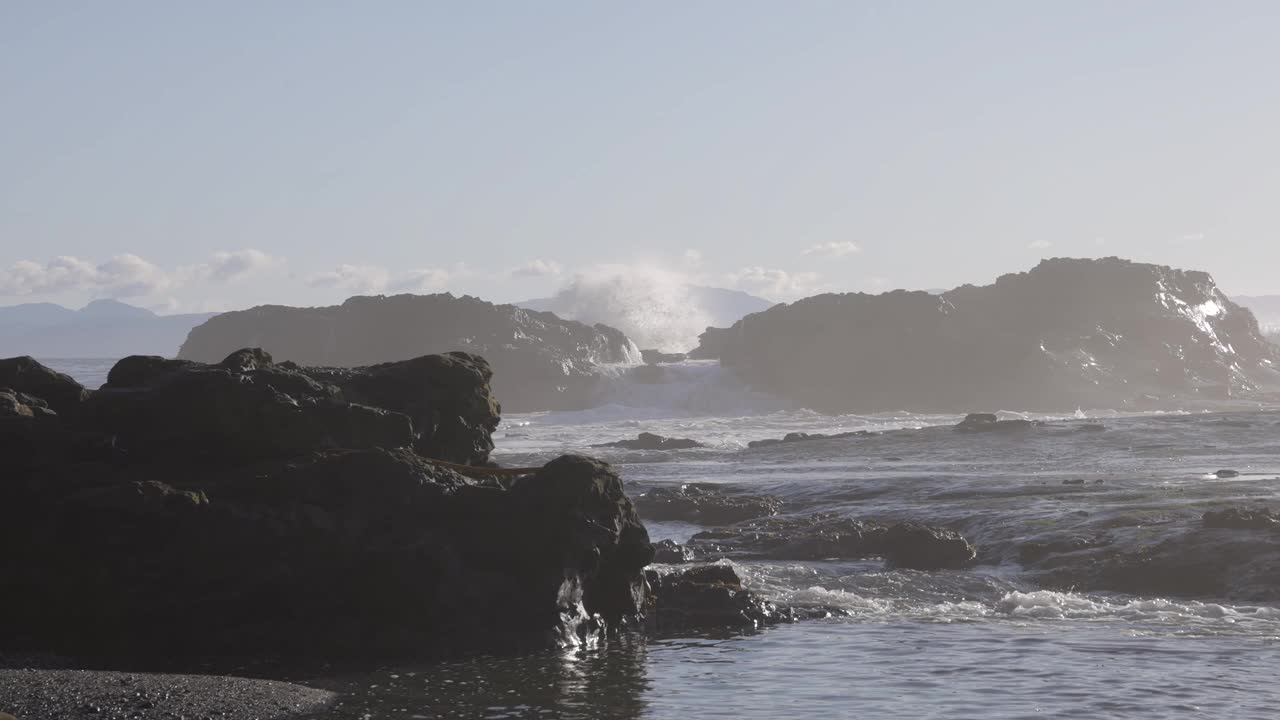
794	437
830	537
988	422
704	504
1242	519
1223	474
649	441
249	508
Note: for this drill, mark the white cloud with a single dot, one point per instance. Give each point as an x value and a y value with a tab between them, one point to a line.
774	284
423	279
1040	245
232	266
537	268
833	249
123	276
357	278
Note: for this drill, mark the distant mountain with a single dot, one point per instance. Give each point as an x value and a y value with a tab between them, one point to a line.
102	329
654	313
1069	333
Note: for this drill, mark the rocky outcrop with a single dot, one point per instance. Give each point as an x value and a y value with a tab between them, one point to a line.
251	507
827	537
540	361
58	391
989	422
1068	333
657	357
794	437
649	441
704	504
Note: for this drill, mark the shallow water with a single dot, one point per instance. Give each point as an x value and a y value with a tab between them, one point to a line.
985	642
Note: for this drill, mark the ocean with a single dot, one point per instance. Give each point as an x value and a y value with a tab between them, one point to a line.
985	642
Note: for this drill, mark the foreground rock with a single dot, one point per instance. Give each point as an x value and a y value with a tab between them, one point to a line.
828	537
712	596
1068	333
541	362
704	504
251	507
649	441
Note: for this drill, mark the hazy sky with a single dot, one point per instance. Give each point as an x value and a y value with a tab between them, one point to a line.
219	155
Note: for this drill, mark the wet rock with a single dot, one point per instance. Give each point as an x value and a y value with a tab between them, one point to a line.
708	596
1242	519
988	422
1036	551
704	504
921	547
1227	473
656	357
650	441
803	437
831	537
1073	481
669	552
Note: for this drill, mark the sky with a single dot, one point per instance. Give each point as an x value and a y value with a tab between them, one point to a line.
212	156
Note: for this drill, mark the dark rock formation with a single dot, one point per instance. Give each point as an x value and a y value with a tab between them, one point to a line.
1225	474
251	508
670	552
540	361
656	357
712	596
649	441
804	437
988	422
829	537
1069	333
704	504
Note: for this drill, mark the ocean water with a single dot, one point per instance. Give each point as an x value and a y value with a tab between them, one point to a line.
985	642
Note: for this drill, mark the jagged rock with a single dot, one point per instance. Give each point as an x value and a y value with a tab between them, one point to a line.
656	357
705	504
669	552
831	537
59	391
1068	333
649	441
14	404
712	596
1242	519
540	361
803	437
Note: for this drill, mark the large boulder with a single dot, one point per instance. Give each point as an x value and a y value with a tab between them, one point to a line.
59	391
541	362
250	508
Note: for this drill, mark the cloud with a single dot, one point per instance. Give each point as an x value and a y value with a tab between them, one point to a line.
123	276
357	278
833	249
423	279
232	266
775	284
537	268
1040	245
372	279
